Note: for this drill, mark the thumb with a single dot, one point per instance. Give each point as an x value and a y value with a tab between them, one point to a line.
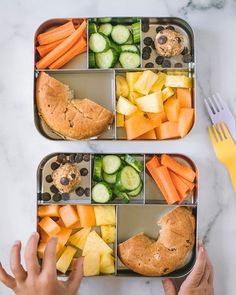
76	275
169	287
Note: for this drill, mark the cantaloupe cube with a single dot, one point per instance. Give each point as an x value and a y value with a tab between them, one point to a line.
79	238
155	117
65	259
125	107
167	130
41	249
122	87
86	215
145	82
105	215
60	222
120	120
172	108
94	243
76	225
48	210
108	233
178	81
68	215
185	97
91	264
186	118
49	226
107	264
131	78
63	235
148	135
160	82
151	103
166	93
133	95
44	237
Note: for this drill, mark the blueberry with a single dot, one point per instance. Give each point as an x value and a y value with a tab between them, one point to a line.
159	28
57	197
86	157
72	158
166	63
145	55
145	27
83	171
178	65
79	191
149	65
159	59
147	49
53	189
170	28
61	157
64	181
78	158
147	41
162	39
46	197
87	192
49	178
55	165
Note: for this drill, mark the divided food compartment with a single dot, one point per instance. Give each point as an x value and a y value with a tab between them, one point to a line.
140	215
99	84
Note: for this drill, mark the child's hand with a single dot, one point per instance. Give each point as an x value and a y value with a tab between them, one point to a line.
39	280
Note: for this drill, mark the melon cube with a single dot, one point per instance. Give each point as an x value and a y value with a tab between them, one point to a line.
131	78
105	215
108	233
65	259
49	210
186	118
63	235
125	107
107	264
68	215
167	130
151	103
91	264
185	97
145	82
94	243
172	109
49	226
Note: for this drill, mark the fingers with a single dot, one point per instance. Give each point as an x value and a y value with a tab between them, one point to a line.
15	262
76	275
169	287
211	272
31	259
49	258
6	279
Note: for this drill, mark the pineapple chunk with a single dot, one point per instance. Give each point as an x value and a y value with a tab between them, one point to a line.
133	95
178	81
108	233
151	103
120	120
125	107
122	88
107	265
79	238
95	243
145	82
134	114
91	264
131	78
64	261
166	93
160	82
105	215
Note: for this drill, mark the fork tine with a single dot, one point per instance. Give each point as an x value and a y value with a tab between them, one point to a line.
210	112
216	101
226	132
212	137
220	100
216	133
212	105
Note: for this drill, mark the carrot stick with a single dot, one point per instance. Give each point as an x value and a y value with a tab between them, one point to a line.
184	171
61	48
78	48
45	49
188	183
181	187
56	34
153	163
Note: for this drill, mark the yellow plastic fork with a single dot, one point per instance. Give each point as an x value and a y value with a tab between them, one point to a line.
225	148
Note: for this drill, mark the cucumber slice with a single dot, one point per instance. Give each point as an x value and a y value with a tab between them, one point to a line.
127	179
136	32
109	178
111	164
92	63
98	42
107	59
92	28
97	169
104	19
137	191
120	34
129	60
93	19
129	48
130	40
137	165
121	195
101	193
115	46
105	29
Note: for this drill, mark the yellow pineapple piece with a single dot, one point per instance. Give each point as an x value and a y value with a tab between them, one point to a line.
131	78
125	107
160	82
120	120
108	233
91	264
133	95
133	114
166	93
107	264
95	243
151	103
105	215
65	259
178	81
79	238
122	87
145	82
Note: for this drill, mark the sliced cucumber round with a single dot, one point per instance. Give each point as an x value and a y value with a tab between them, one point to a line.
109	178
137	191
130	40
92	28
105	29
101	193
120	34
104	19
137	165
92	62
98	42
111	164
129	60
127	179
106	60
129	48
97	169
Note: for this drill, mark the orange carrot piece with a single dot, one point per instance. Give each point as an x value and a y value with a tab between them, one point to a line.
56	34
61	48
86	215
48	210
190	184
78	48
45	49
148	135
182	170
68	215
153	163
185	97
181	187
49	226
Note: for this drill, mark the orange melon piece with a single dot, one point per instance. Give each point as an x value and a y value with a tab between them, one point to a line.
50	210
86	215
44	237
77	225
172	109
42	247
68	215
167	130
148	135
155	117
184	96
186	118
60	222
63	236
163	117
49	226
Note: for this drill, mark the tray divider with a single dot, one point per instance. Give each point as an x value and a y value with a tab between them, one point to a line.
144	179
114	100
116	242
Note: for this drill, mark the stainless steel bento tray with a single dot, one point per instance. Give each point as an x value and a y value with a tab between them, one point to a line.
79	76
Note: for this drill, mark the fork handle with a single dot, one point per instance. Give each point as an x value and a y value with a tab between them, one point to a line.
232	172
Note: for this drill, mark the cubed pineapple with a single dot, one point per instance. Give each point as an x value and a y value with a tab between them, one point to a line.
122	88
160	82
166	93
131	78
105	215
79	238
151	103
178	81
91	264
107	264
108	233
145	82
65	259
133	95
120	120
133	114
125	107
94	243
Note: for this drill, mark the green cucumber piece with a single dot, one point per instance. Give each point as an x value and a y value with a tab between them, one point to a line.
107	59
115	46
129	60
104	20
136	164
111	164
137	191
92	62
136	32
129	48
127	179
121	195
130	40
98	42
92	28
97	169
105	29
101	193
109	178
120	34
93	19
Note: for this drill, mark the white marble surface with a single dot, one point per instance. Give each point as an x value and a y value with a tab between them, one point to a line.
22	147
